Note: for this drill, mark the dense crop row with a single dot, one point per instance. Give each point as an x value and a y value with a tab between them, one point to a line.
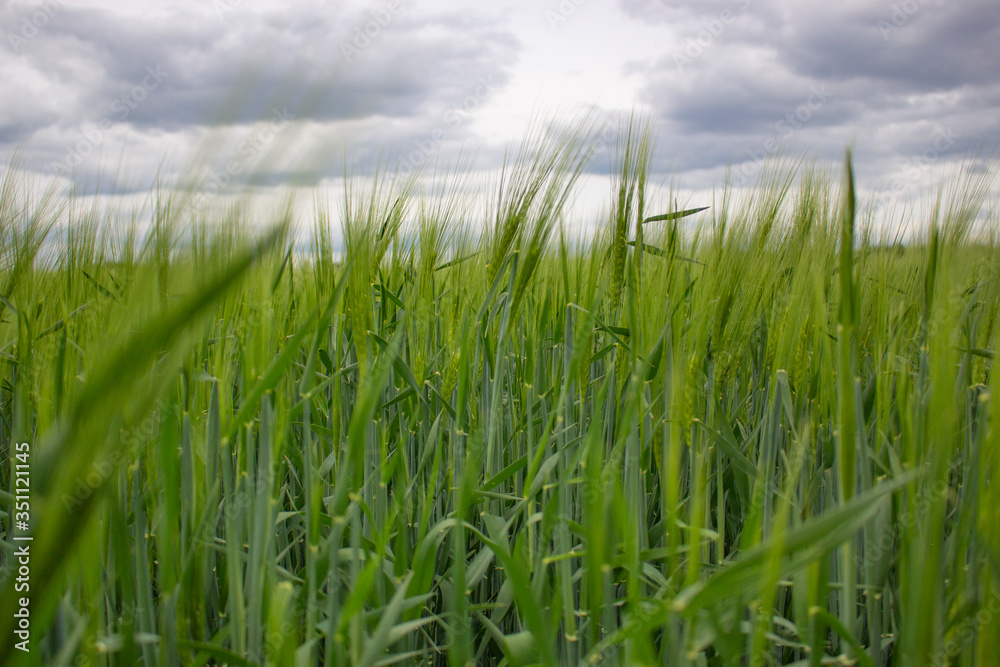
749	435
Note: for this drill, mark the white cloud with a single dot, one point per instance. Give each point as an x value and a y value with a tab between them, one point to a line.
725	79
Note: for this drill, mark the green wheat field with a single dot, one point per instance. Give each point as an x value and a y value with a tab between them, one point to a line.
764	433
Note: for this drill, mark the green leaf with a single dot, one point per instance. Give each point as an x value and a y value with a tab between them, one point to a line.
799	547
675	215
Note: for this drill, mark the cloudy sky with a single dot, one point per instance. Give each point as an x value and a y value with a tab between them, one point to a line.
293	91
